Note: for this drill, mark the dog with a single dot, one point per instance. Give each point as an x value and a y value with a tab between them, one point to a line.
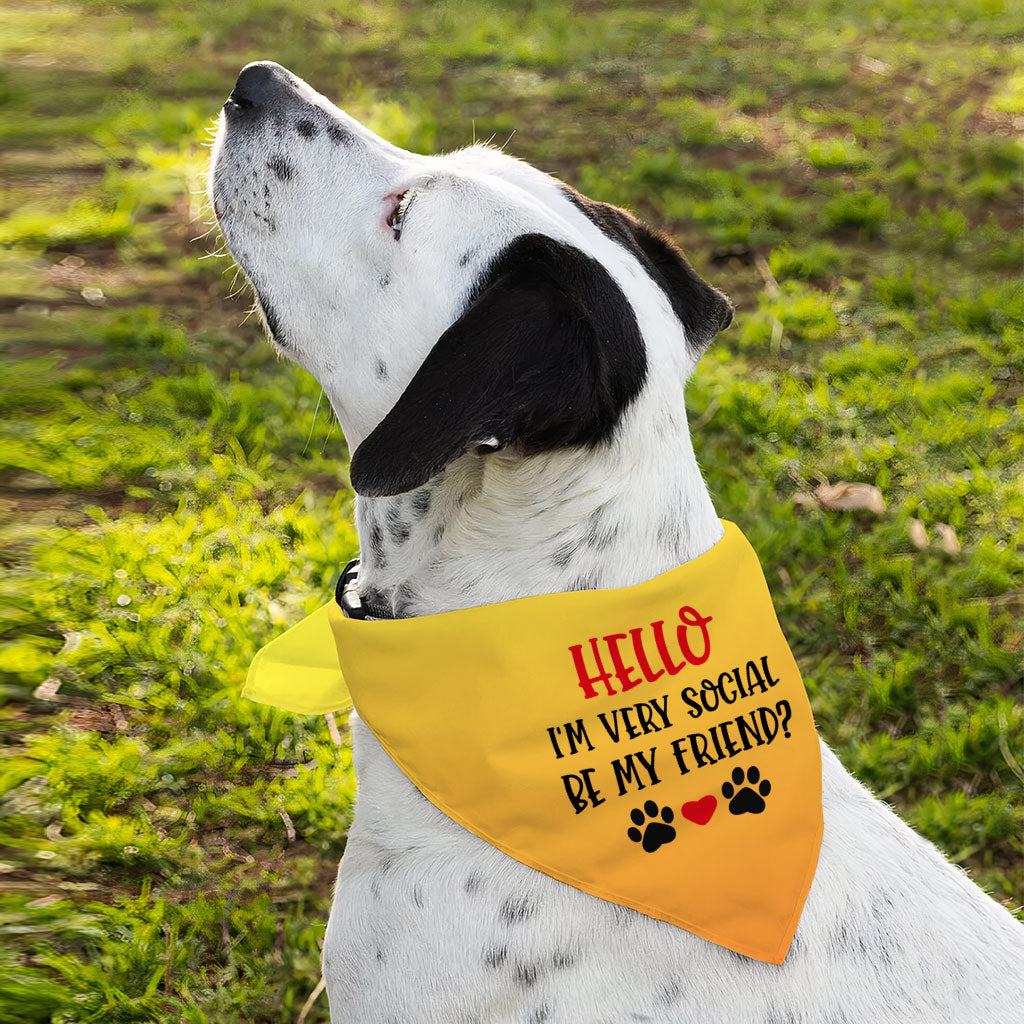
507	359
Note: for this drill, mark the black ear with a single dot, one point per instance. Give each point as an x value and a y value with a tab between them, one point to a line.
547	354
703	310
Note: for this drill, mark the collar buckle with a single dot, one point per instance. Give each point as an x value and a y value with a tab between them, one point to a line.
347	593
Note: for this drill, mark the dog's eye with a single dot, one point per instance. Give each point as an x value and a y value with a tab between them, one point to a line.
397	214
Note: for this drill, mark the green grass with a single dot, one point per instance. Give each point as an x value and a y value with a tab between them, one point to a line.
171	495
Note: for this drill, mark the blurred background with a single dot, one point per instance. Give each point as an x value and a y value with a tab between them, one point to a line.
172	495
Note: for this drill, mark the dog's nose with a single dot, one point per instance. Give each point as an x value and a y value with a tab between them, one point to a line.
260	84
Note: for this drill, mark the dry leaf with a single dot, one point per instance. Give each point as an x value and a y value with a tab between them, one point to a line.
846	497
947	538
72	641
918	534
44	901
47	689
874	65
288	826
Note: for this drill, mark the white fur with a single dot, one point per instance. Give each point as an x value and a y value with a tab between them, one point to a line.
429	923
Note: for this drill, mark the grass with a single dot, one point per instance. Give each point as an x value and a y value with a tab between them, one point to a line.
172	496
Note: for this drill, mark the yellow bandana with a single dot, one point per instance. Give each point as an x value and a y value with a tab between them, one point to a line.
651	745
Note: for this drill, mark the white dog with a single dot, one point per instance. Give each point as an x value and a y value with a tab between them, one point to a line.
507	360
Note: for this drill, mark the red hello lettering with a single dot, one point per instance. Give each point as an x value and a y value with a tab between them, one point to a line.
651	649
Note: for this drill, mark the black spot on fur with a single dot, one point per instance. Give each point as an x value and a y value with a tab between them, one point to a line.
417	897
377	545
669	993
539	1015
624	916
338	135
398	528
381	369
283	168
421	502
526	974
601	530
496	956
472	884
307	129
563	554
384	280
438	533
381	956
516	909
563	959
668	530
465	258
702	310
588	581
563	359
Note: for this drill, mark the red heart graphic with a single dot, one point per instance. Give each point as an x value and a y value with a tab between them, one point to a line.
700	811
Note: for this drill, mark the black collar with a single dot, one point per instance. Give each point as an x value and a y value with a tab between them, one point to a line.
346	593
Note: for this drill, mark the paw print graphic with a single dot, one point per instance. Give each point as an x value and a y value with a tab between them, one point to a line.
746	800
655	833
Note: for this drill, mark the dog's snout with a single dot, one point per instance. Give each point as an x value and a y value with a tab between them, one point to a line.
261	84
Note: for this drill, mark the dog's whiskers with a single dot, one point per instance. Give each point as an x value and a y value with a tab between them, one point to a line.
330	430
312	426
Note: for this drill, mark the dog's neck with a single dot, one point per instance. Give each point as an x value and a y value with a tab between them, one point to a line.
499	526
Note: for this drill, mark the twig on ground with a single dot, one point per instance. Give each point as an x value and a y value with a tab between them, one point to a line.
771	285
332	728
308	1004
288	826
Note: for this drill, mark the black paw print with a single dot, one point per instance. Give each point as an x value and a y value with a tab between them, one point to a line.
747	800
656	833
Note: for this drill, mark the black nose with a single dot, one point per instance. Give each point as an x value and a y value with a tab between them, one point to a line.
261	84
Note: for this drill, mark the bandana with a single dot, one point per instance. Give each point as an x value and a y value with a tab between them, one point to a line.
650	745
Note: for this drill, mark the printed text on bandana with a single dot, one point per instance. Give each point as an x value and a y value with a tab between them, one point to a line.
720	706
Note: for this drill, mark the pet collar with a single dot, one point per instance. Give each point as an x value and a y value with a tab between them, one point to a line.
650	745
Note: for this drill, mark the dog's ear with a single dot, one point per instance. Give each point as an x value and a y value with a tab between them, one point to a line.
547	354
702	309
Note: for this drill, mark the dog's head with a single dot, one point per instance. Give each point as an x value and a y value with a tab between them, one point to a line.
447	304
